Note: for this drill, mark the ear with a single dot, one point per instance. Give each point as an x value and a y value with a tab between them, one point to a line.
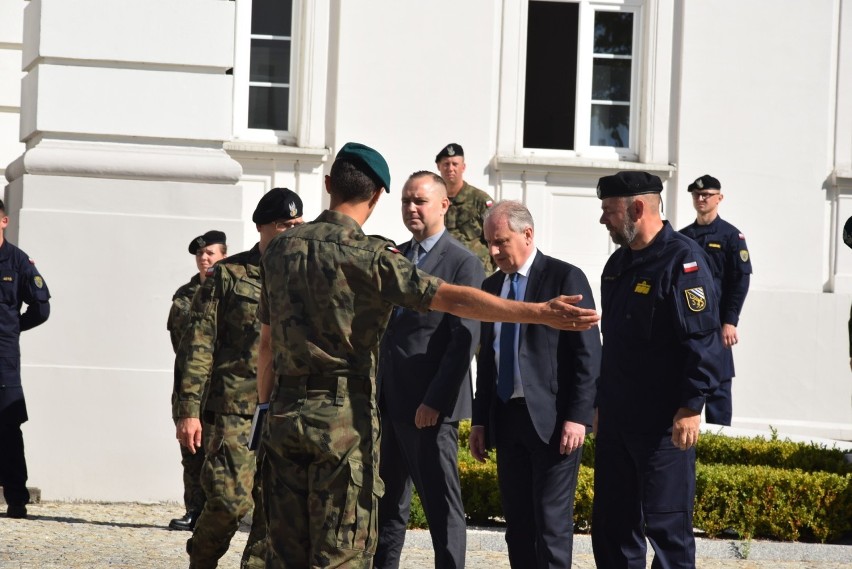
376	195
636	209
328	184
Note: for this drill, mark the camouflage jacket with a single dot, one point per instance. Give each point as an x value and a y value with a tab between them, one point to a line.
464	222
328	291
178	322
222	341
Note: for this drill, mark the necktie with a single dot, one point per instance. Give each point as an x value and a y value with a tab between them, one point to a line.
506	372
415	253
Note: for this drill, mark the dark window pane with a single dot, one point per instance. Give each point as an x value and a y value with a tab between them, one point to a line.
270	61
271	17
551	81
269	107
610	126
614	33
611	80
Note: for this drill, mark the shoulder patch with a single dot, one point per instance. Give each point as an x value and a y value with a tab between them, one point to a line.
744	255
210	271
742	236
393	249
696	300
39	282
31	260
690	267
489	203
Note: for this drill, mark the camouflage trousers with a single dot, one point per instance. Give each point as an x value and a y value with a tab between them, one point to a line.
193	493
254	555
227	478
320	477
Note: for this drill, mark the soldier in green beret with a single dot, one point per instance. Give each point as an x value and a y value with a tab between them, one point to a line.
467	204
220	357
207	249
327	294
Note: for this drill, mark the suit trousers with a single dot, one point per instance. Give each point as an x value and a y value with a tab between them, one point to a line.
13	465
644	488
429	458
537	486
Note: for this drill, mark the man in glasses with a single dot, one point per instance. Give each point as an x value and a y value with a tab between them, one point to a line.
220	355
731	265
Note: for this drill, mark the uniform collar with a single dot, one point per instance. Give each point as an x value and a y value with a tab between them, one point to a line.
337	218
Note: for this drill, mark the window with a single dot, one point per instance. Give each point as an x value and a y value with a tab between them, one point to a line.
265	71
580	87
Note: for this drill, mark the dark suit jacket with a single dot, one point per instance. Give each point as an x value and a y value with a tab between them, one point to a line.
425	358
559	370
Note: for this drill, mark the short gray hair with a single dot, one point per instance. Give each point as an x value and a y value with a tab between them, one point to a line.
518	217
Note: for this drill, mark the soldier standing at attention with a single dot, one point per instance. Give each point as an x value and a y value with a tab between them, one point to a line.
20	283
467	204
731	266
661	352
327	294
220	348
208	249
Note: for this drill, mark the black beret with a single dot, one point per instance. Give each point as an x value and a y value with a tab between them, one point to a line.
210	238
277	203
368	157
628	183
705	182
452	149
847	232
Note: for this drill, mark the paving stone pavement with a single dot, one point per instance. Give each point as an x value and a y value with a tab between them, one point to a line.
70	535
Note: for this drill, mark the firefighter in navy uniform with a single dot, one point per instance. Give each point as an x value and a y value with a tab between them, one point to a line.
731	264
20	283
661	348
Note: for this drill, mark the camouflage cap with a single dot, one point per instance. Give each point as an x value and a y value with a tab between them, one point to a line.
277	204
369	158
210	238
627	183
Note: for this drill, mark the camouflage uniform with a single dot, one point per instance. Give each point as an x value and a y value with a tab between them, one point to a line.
328	291
222	345
464	222
177	325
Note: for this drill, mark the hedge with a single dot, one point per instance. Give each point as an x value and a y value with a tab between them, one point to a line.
785	490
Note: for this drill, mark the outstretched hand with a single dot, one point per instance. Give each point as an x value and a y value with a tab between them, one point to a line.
561	313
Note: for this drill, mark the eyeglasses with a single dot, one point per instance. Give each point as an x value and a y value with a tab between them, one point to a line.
704	196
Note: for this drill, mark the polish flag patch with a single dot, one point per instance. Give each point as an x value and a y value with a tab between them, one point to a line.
489	203
690	267
742	236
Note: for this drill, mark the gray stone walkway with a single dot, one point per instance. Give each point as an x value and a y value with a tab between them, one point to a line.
65	535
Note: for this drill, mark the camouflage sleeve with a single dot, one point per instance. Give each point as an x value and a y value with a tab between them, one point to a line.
263	305
403	284
197	347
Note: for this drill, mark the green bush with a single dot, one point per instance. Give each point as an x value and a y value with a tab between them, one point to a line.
760	501
753	486
758	451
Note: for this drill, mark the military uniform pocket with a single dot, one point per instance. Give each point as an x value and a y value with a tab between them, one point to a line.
358	528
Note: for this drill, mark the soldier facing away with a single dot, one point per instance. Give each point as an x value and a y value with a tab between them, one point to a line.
327	293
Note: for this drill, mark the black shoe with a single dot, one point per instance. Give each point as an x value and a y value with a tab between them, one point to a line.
186	523
18	512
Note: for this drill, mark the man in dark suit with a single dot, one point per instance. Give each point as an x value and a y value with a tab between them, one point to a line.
425	387
535	390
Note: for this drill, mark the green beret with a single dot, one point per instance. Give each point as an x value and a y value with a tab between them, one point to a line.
628	183
210	238
369	158
277	203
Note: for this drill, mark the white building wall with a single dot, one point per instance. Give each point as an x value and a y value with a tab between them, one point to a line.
124	163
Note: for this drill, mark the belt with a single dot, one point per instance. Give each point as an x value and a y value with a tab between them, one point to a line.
340	384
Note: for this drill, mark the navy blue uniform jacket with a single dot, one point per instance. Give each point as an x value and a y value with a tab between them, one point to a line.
20	283
661	340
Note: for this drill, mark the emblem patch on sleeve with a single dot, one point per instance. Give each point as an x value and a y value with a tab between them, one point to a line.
696	300
393	249
690	267
744	255
39	282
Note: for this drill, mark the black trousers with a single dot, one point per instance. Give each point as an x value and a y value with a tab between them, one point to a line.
13	465
429	458
537	486
644	488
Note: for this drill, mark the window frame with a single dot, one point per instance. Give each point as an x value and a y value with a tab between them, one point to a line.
242	58
583	96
